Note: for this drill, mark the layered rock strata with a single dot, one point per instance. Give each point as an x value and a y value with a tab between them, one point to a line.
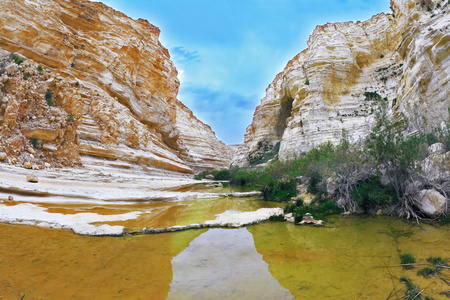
87	81
335	85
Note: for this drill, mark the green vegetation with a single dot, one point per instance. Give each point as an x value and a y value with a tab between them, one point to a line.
407	259
48	98
307	82
263	153
16	58
372	96
378	172
371	195
428	271
279	218
77	83
71	118
26	75
436	260
35	142
40	69
413	291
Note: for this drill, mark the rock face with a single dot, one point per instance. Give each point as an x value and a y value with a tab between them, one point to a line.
87	80
337	83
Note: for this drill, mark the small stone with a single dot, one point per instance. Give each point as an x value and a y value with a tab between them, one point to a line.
27	165
31	150
49	147
32	178
11	69
3	156
379	212
10	198
209	176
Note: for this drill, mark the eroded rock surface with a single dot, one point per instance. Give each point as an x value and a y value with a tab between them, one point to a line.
87	80
337	83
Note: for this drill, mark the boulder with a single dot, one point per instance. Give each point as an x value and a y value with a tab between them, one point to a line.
32	178
209	176
431	203
437	164
27	165
3	156
437	148
289	218
309	219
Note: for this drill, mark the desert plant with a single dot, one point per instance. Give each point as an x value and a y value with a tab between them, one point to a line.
40	69
16	58
370	194
436	260
428	271
407	259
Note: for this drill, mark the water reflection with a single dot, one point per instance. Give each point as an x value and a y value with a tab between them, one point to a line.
223	264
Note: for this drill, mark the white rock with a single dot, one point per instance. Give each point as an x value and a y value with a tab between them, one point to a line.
32	178
437	148
432	203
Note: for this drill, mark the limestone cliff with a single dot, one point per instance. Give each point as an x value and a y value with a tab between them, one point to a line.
94	83
336	83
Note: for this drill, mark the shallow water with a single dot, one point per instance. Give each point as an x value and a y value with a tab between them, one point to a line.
354	258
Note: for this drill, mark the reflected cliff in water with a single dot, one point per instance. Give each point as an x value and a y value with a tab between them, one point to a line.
223	264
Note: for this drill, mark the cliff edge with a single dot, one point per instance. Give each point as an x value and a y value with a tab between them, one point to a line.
83	84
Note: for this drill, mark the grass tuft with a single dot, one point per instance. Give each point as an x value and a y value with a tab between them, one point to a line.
407	259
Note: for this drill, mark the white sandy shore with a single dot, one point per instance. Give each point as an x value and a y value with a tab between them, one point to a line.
104	188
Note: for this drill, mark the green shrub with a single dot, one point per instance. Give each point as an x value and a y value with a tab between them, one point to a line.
428	271
198	177
26	75
48	98
71	118
243	177
328	208
371	194
263	153
279	218
373	96
77	83
436	260
307	82
40	69
35	142
222	174
279	189
16	58
407	259
290	208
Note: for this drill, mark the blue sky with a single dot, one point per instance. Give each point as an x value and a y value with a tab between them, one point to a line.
228	51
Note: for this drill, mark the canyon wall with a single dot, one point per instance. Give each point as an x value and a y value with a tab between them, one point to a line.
335	86
85	82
